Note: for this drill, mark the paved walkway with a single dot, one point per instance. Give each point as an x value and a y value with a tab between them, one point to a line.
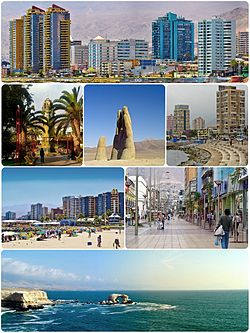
178	234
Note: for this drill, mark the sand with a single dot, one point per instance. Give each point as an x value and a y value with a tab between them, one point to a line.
148	152
79	242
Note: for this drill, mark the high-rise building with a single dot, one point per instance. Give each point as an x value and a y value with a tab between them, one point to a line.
36	211
230	108
16	45
198	123
71	207
56	39
132	49
173	38
45	211
33	39
10	215
170	124
216	45
181	118
89	206
79	55
242	43
101	50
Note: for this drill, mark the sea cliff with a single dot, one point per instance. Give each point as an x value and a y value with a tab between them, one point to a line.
24	299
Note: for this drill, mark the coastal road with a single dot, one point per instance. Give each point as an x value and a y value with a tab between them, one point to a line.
179	234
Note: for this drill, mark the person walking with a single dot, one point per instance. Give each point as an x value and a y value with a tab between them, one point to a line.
99	241
226	223
42	155
163	221
116	244
59	234
236	223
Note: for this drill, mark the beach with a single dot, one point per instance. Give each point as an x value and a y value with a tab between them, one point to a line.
79	242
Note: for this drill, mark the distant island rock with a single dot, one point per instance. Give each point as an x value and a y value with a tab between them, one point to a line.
24	299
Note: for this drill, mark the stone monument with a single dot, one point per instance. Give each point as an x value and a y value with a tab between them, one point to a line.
123	143
101	154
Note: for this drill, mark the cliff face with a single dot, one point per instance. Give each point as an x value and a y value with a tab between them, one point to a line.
24	299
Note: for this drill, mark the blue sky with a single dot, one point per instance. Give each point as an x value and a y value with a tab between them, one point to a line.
24	186
145	103
126	270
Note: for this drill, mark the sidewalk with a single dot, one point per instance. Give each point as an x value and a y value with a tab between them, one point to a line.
179	234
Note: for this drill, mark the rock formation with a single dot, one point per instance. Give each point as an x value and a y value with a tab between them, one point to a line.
114	299
101	154
123	143
24	299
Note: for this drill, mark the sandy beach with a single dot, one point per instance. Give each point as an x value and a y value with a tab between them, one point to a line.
79	242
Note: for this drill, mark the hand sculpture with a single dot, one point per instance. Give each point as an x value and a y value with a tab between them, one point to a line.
123	143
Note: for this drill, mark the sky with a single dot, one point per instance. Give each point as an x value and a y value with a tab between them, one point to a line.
52	91
200	98
22	187
146	105
125	270
162	175
119	19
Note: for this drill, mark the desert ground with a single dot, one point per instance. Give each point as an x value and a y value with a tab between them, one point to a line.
148	152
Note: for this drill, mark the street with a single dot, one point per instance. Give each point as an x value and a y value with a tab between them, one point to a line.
178	234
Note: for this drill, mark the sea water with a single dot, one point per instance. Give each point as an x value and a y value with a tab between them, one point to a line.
153	311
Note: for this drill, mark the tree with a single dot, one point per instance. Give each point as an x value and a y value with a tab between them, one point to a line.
234	65
71	104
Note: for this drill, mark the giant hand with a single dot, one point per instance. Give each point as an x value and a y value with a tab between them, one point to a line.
123	143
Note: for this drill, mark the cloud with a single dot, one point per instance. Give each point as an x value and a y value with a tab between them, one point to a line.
17	273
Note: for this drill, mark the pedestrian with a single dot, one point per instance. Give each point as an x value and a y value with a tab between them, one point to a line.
236	222
169	217
163	221
42	155
209	220
89	232
59	234
99	241
226	223
116	243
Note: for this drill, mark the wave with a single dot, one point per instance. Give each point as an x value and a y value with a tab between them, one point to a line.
7	311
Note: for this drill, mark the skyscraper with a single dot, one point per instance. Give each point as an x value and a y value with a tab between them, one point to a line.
16	45
33	39
36	211
242	43
170	124
173	38
230	108
181	118
216	45
56	39
79	55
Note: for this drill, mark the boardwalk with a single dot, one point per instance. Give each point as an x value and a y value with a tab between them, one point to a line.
179	234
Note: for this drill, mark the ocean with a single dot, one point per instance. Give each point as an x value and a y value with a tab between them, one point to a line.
153	311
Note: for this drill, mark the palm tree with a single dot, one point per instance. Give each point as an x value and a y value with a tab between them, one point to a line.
234	65
30	122
235	177
71	105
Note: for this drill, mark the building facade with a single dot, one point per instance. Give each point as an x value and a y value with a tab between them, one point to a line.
10	215
33	39
173	38
79	55
16	51
132	49
181	118
216	45
242	43
198	123
36	211
56	39
101	50
170	124
230	109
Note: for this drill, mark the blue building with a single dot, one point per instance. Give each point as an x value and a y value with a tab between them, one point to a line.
173	38
121	204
